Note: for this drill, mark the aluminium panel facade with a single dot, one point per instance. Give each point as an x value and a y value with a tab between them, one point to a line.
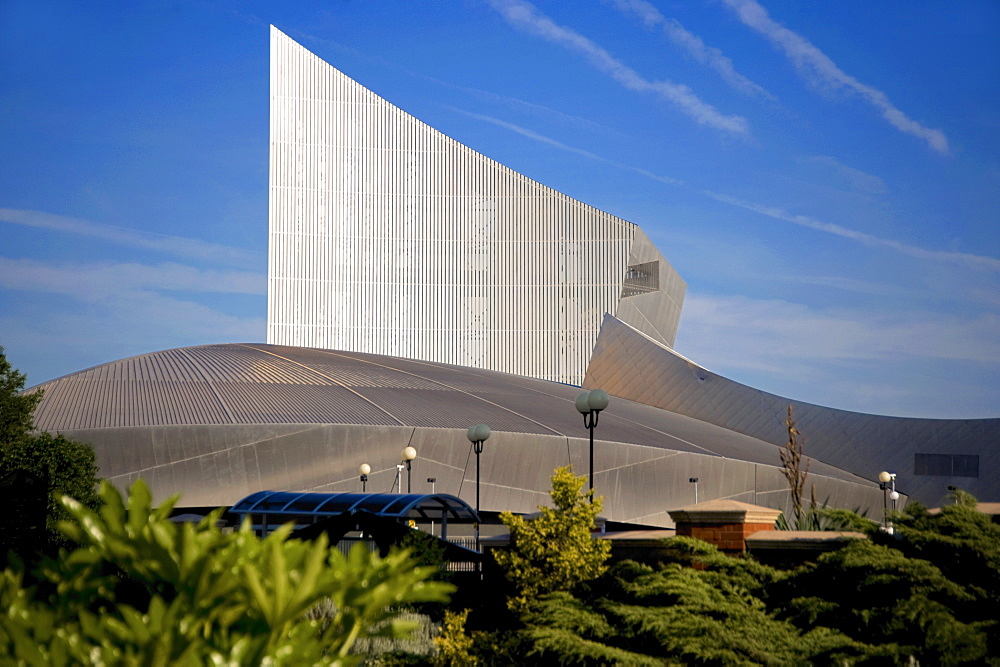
927	455
388	237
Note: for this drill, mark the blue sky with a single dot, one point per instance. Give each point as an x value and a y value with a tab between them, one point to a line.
825	176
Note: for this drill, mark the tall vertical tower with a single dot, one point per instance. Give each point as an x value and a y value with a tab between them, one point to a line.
386	236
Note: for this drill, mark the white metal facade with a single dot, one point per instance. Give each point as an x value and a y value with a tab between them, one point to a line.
386	236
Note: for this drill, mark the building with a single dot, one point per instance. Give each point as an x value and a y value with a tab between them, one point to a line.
216	423
386	236
416	288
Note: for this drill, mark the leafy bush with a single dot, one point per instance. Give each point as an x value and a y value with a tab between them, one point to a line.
555	550
141	589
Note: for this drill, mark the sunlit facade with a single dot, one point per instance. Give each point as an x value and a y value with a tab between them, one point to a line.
388	237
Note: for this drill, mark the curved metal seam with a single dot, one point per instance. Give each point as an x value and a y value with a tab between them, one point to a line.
211	386
326	377
443	384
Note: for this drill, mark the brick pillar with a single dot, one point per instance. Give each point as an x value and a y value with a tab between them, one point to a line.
725	523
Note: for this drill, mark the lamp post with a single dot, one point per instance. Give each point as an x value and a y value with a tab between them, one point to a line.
887	481
363	470
694	480
431	480
409	453
477	435
590	404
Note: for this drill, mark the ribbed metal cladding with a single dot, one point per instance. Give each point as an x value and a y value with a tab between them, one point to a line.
386	236
629	365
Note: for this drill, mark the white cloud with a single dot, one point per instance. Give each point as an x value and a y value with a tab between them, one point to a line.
885	360
561	146
526	16
95	313
98	280
856	179
694	46
793	340
172	245
44	339
818	67
980	262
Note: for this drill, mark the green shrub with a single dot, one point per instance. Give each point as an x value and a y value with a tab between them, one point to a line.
141	589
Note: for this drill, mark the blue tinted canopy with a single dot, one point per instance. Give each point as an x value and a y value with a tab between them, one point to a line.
426	507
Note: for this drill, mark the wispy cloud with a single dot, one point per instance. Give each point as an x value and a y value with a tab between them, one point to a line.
856	179
525	16
981	262
171	245
108	311
830	355
517	103
775	331
133	322
571	149
817	66
89	281
694	46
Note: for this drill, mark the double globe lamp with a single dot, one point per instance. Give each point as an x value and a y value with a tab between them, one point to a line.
589	404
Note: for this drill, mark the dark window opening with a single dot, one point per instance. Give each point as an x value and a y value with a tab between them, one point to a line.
946	465
641	279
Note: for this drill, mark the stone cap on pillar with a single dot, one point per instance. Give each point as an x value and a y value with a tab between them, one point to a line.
723	511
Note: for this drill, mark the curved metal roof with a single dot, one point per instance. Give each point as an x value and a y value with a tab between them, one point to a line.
218	422
393	505
630	365
255	383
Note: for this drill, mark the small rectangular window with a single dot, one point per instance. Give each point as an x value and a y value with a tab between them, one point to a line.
946	465
641	279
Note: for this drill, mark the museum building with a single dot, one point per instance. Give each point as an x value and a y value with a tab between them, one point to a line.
417	288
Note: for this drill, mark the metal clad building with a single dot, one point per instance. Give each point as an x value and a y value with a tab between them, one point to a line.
216	423
386	236
415	288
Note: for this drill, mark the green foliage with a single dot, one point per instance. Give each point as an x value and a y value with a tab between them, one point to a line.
425	549
829	518
16	409
876	594
46	464
453	645
652	615
720	568
556	550
964	544
961	540
415	648
141	589
62	467
927	594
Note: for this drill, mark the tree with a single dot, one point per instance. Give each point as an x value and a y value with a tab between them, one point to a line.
903	607
555	550
16	409
453	644
35	468
141	589
964	544
673	613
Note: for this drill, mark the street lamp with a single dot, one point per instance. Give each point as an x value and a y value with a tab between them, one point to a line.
887	481
694	480
477	435
431	480
590	404
409	453
363	470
